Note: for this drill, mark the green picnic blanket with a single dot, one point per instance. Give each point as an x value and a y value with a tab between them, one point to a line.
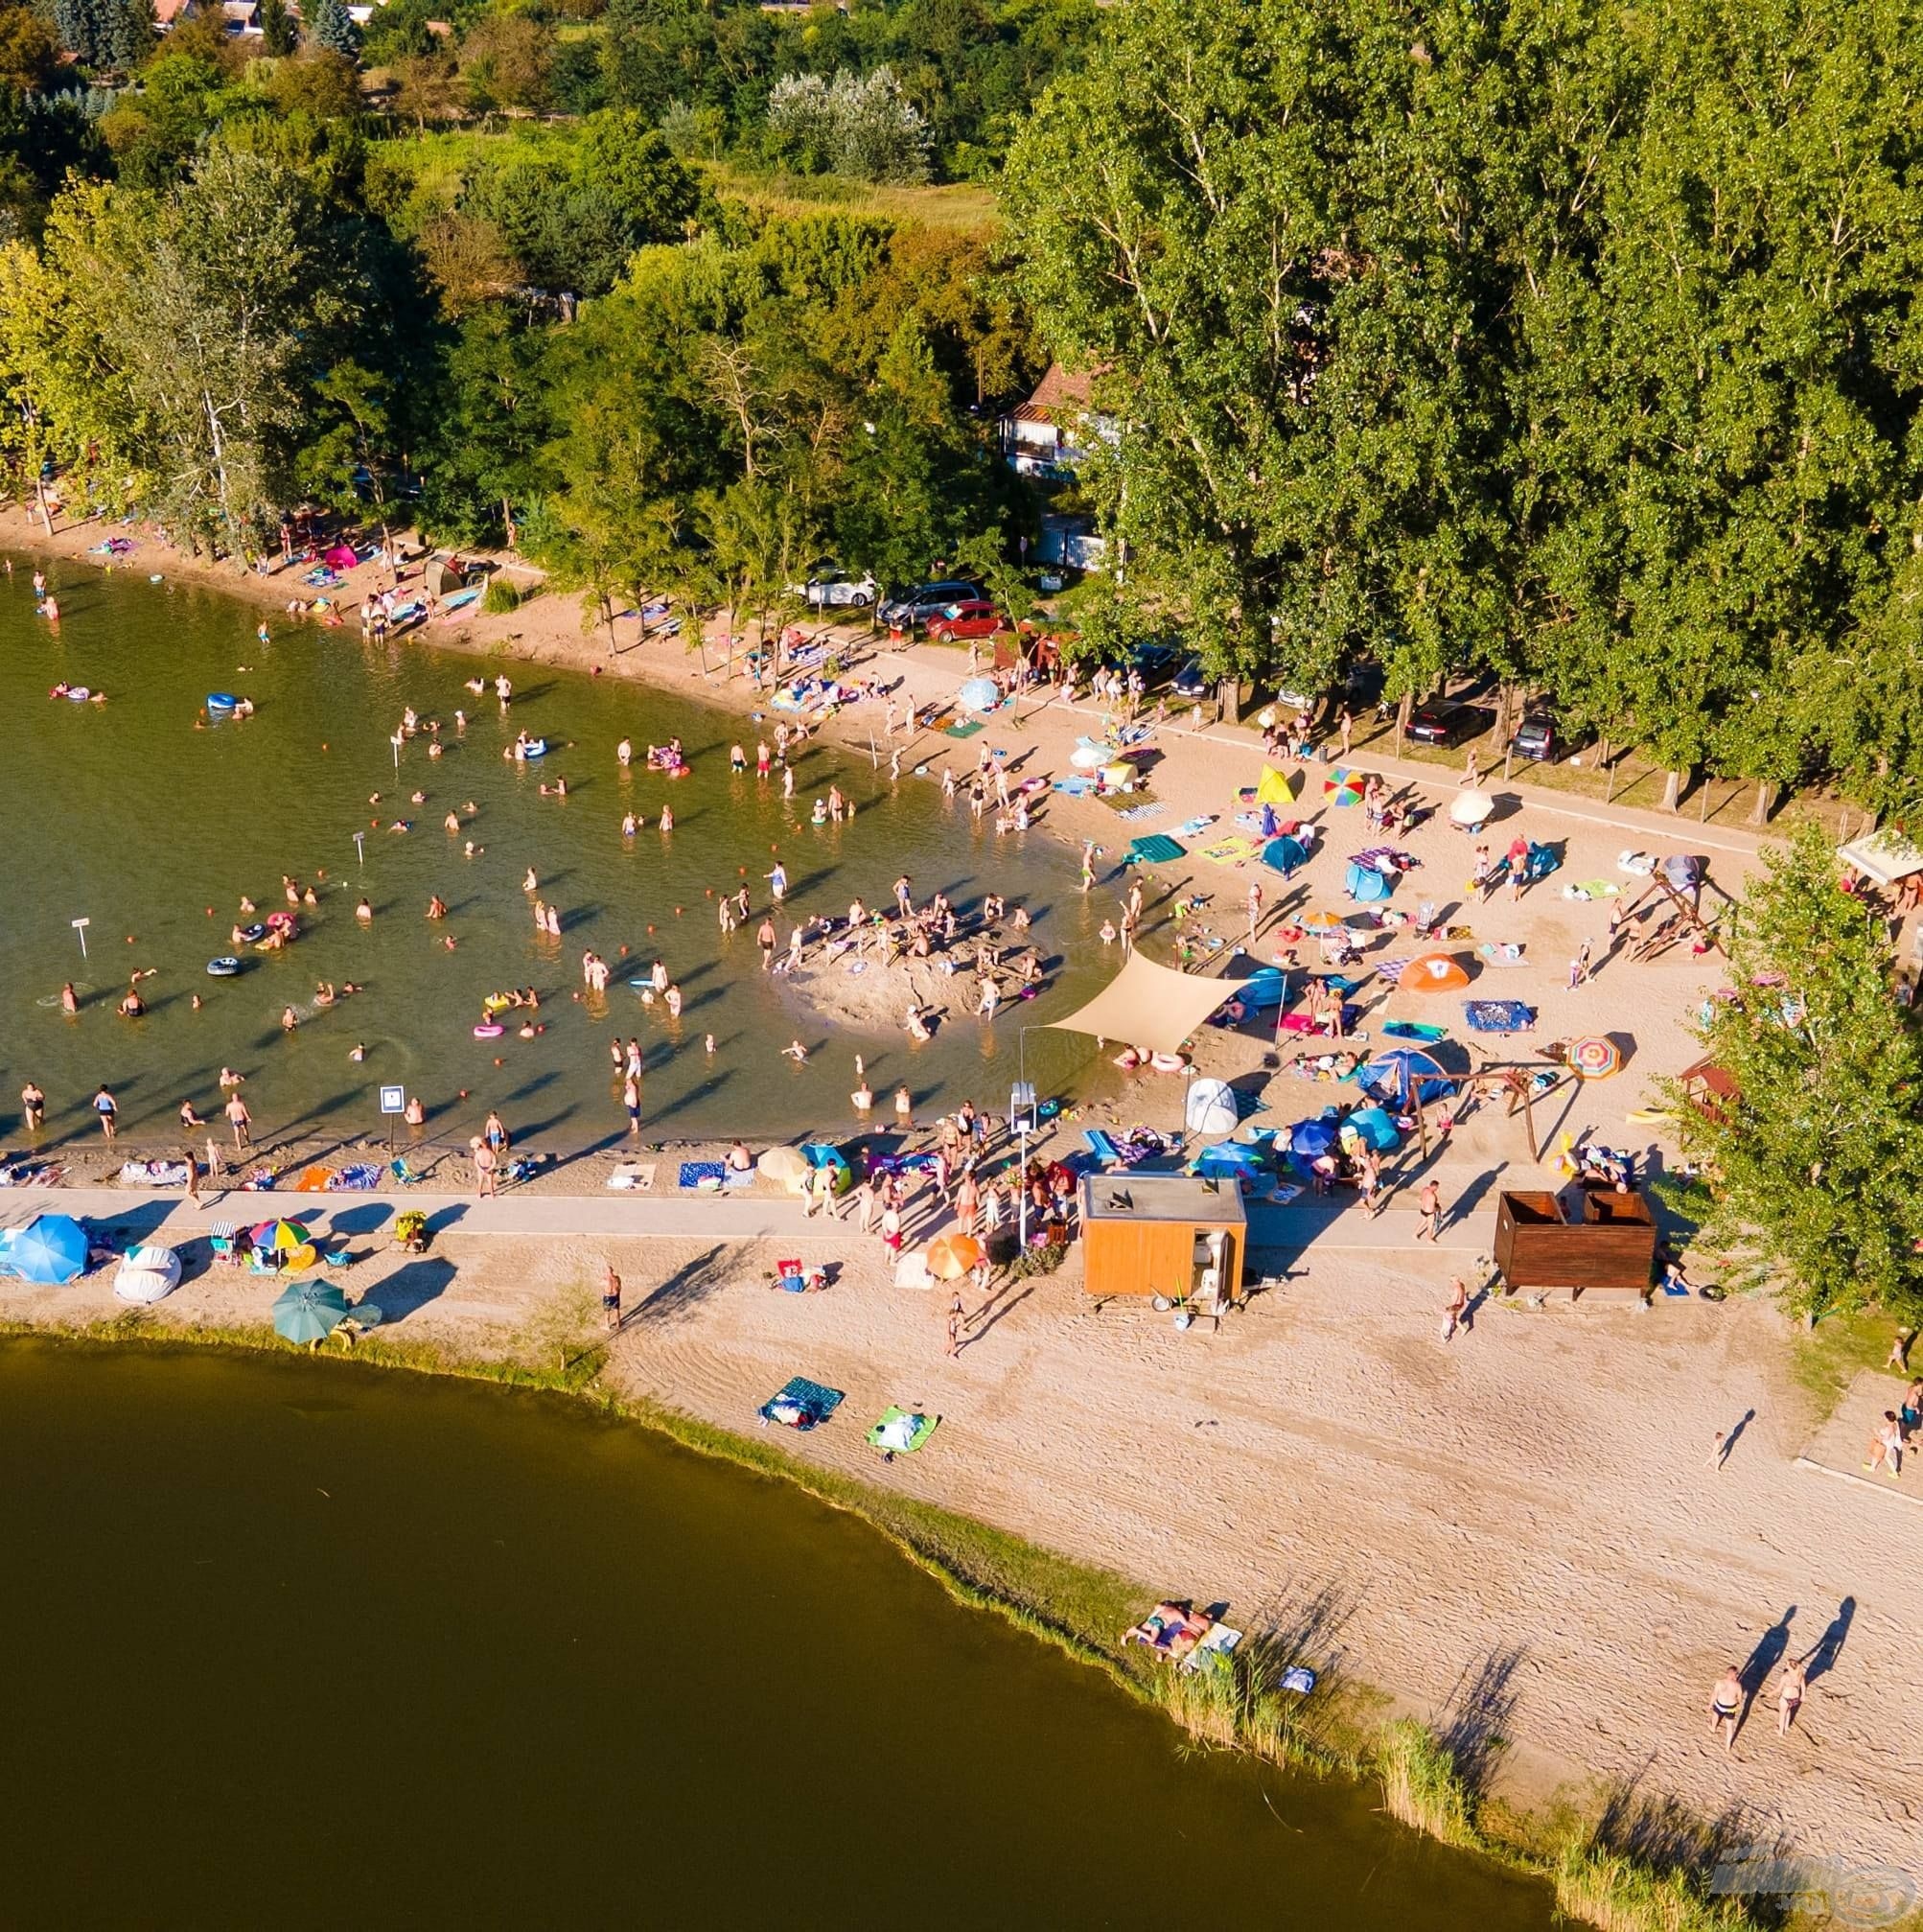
1155	849
925	1426
967	731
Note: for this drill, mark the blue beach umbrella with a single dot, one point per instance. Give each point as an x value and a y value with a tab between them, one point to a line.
51	1250
979	694
1374	1127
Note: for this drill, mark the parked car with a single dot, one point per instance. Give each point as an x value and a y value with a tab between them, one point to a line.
1535	737
1443	723
830	588
974	618
914	607
1191	681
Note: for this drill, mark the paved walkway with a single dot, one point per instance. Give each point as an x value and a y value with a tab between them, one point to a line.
1278	1233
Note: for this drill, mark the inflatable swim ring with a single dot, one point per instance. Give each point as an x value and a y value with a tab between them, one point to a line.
674	771
1167	1063
222	701
79	694
223	967
489	1030
252	932
535	748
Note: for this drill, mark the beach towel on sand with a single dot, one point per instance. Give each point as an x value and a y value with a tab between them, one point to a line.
359	1177
902	1432
1228	851
1153	849
801	1404
1219	1643
702	1173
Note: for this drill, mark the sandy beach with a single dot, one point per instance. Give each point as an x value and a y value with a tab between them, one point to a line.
1513	1533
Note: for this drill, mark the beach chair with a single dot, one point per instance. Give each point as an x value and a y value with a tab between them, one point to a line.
220	1239
403	1174
1103	1149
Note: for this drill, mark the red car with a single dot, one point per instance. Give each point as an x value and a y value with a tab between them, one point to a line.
976	619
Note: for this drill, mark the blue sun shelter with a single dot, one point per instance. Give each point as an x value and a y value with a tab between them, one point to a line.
1404	1075
1364	884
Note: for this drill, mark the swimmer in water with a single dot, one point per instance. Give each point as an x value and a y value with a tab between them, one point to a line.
358	1052
530	883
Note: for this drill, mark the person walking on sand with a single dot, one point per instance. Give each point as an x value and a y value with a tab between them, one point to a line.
1428	1212
1456	1310
865	1202
1885	1446
611	1297
958	1321
242	1122
1726	1706
1790	1688
1720	1453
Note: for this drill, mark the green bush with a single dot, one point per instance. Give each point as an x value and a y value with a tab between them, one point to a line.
501	597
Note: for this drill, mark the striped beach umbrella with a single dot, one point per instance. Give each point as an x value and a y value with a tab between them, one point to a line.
1594	1057
1343	787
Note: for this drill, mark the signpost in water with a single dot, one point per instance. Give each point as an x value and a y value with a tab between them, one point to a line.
81	926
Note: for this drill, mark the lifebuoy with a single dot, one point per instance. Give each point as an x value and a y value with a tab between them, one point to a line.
489	1030
1167	1063
223	967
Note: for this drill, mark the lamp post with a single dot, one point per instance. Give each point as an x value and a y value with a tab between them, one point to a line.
1022	1119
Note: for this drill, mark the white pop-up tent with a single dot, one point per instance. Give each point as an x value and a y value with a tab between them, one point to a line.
1883	856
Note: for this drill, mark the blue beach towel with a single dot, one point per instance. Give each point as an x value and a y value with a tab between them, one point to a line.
801	1404
693	1172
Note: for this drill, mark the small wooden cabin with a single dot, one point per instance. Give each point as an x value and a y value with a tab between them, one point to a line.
1169	1234
1611	1246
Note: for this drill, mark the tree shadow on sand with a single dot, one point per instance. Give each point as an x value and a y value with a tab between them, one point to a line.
685	1290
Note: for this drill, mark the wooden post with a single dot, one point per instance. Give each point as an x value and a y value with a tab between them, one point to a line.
1529	1116
1609	773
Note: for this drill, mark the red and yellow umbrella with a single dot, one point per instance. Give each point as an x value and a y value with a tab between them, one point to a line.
951	1256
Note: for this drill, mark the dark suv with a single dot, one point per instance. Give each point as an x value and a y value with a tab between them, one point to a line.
914	607
1443	723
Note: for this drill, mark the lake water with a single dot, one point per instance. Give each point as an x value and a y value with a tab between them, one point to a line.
299	1643
129	816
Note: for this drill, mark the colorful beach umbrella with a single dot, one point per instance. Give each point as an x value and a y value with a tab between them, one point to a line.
279	1237
1432	972
950	1256
50	1250
309	1311
1343	787
1594	1057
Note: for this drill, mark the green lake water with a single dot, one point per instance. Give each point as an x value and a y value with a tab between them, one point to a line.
297	1644
129	816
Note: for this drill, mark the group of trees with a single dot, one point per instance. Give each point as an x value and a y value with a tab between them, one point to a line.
1570	341
253	302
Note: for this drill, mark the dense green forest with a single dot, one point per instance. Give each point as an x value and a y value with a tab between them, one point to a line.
1564	341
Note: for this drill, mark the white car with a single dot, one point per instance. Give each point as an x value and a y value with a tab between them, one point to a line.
835	588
